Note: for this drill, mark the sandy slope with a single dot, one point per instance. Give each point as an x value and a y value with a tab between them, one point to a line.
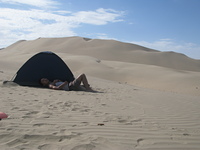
131	118
147	99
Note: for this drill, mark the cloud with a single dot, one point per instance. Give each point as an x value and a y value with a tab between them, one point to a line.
99	17
19	24
104	36
36	3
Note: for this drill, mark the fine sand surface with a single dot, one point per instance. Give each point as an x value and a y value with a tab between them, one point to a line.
146	99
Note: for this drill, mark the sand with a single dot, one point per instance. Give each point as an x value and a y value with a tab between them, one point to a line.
146	99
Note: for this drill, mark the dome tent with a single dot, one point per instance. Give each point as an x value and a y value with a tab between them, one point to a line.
43	65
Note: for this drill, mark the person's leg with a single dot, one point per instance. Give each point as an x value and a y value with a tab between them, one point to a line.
82	78
75	85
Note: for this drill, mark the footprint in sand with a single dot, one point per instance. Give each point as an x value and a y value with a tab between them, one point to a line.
14	108
32	113
67	104
122	121
186	134
42	124
81	124
139	141
84	146
29	114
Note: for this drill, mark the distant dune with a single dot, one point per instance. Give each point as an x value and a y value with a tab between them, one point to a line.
108	50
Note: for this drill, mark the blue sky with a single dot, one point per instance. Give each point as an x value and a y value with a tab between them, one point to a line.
165	25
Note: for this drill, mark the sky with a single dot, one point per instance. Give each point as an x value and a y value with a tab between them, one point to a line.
164	25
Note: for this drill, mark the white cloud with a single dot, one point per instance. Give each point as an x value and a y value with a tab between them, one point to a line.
62	12
99	17
18	24
36	3
104	36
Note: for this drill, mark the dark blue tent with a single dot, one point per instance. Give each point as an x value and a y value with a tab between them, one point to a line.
43	65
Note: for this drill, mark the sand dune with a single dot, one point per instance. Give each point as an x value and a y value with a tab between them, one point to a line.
146	99
107	50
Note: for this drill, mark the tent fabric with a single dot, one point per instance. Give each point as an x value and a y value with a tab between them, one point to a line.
43	65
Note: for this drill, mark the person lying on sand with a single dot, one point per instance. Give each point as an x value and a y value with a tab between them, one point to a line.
64	85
